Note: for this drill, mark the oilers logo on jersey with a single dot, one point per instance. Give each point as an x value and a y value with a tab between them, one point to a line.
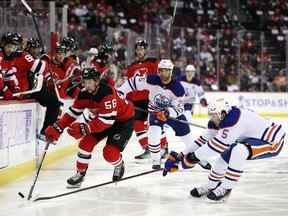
161	101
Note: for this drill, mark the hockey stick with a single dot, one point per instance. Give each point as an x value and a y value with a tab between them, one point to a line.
96	186
38	171
34	90
29	9
73	86
174	119
170	32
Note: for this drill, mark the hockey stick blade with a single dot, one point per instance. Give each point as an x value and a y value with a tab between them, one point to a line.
38	171
96	186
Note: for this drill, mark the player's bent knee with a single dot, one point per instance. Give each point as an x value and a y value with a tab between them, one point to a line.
111	153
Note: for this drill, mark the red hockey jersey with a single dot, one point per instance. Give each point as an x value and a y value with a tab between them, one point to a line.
8	81
106	107
148	66
104	71
25	63
64	74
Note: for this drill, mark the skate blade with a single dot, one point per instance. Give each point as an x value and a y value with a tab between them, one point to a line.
221	201
143	161
73	186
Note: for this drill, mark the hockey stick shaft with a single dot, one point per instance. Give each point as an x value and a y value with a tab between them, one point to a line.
174	119
38	171
170	33
29	9
73	86
96	186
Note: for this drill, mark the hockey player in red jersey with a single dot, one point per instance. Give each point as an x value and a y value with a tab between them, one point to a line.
110	116
71	47
27	69
33	47
65	73
142	65
102	62
8	80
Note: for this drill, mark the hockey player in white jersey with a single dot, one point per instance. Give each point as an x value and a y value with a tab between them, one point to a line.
234	135
165	95
193	92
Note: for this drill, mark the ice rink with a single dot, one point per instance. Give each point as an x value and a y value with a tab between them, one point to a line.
262	190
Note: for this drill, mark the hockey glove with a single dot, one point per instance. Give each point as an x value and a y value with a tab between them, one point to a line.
7	94
161	116
171	164
53	132
78	130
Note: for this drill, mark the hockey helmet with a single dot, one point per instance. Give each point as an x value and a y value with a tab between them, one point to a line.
166	64
92	51
91	73
33	43
11	38
107	47
190	67
141	43
70	43
60	48
219	107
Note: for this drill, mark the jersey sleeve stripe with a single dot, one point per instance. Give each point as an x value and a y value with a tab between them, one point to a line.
108	114
131	86
218	145
108	122
108	117
73	113
217	140
38	67
35	64
76	111
215	147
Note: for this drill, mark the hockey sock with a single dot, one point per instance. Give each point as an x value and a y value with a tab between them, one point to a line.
154	135
217	172
86	146
239	154
163	141
140	128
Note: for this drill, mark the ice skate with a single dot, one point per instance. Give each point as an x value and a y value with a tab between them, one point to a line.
118	171
219	194
76	180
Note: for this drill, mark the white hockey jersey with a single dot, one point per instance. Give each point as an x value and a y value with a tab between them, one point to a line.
238	125
193	92
161	96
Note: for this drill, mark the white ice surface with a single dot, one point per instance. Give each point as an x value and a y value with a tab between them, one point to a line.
261	191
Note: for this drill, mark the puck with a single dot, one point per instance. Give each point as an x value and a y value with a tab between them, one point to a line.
21	195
